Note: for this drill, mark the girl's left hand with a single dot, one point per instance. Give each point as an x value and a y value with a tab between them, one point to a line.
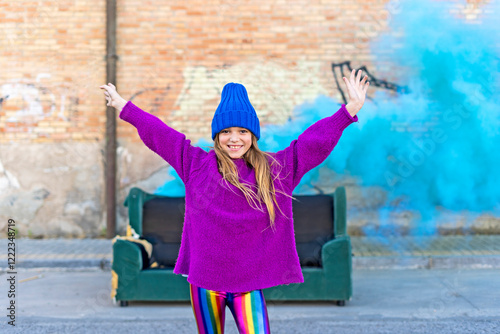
112	97
356	90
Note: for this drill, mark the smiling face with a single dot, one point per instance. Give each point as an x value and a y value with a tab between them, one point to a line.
235	136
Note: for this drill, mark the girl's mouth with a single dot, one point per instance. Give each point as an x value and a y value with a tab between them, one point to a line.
234	148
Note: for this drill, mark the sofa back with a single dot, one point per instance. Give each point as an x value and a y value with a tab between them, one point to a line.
313	225
163	218
162	221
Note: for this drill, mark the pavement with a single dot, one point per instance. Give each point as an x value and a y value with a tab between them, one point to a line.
434	284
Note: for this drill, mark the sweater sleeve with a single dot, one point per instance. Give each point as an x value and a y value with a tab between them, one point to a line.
315	144
168	143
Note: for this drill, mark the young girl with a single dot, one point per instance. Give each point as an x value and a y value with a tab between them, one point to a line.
233	194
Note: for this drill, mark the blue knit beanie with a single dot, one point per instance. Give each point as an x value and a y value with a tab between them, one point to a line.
235	109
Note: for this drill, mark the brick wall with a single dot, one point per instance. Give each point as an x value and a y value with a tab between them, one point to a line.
52	58
174	59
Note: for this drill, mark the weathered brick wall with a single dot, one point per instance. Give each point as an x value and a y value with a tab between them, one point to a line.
174	59
51	58
51	123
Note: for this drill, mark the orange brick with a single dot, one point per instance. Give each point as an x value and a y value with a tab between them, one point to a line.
67	39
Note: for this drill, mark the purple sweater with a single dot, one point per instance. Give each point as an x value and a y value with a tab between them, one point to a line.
226	245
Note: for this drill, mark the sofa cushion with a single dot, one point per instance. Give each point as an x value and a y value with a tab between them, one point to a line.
313	225
164	253
144	254
163	218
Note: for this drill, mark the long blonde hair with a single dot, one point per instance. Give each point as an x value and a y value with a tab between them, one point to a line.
257	159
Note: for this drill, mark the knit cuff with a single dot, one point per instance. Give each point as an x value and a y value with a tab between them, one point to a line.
125	113
342	119
353	119
133	114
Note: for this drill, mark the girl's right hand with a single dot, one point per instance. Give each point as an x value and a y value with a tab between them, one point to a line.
356	89
112	97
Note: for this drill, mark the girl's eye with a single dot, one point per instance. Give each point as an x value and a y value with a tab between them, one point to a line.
224	131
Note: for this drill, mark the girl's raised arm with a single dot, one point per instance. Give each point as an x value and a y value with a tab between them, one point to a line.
168	143
316	143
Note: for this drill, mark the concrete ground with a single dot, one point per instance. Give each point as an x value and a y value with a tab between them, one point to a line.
384	301
401	285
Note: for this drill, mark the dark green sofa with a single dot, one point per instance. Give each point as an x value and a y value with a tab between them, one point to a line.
323	246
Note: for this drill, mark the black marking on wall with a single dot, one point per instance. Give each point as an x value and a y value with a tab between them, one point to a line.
158	93
344	69
3	99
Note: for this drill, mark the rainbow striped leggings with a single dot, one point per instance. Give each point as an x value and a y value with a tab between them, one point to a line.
248	308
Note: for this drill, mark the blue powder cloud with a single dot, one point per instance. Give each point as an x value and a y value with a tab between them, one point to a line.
451	67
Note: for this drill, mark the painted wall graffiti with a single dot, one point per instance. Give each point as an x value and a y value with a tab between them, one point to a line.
344	69
153	96
2	99
36	101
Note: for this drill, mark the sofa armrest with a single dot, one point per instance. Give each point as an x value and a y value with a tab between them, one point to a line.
337	267
339	212
127	258
336	253
135	201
